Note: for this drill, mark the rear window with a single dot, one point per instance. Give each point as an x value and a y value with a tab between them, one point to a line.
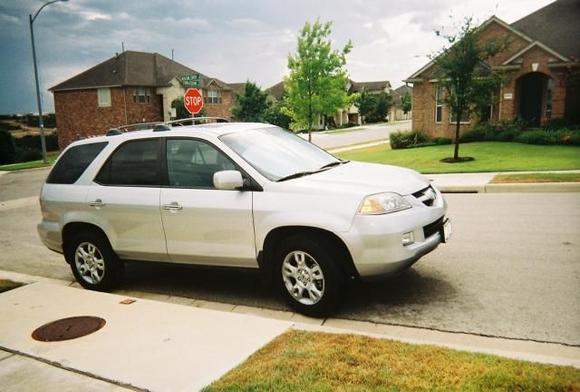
74	162
134	163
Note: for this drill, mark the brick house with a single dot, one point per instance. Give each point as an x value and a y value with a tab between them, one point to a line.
541	62
131	87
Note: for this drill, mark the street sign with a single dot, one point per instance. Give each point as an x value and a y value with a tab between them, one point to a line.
193	100
192	80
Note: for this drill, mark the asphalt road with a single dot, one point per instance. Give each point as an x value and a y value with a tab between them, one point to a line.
512	269
359	135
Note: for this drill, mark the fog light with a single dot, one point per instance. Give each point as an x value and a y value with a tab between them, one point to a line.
408	238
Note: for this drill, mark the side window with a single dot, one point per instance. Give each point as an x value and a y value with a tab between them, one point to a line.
74	162
192	163
135	163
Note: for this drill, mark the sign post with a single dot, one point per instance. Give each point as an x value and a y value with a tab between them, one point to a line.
193	100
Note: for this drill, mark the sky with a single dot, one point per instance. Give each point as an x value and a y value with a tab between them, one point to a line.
232	40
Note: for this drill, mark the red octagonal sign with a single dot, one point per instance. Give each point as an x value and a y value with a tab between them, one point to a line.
193	100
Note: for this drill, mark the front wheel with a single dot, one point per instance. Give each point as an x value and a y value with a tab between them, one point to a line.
309	276
93	262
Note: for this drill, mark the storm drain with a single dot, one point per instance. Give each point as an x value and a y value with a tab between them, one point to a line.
68	328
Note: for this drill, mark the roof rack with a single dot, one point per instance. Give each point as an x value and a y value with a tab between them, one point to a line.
159	126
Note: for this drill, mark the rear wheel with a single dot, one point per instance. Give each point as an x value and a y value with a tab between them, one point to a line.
309	276
93	262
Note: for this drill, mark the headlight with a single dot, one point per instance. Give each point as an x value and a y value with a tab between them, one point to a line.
383	203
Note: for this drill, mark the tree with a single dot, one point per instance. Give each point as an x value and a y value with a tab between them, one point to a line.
384	102
466	79
406	104
276	116
366	104
316	85
252	105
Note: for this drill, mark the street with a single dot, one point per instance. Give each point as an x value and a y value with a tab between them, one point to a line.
367	133
511	269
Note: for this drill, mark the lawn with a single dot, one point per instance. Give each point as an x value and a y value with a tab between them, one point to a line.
489	157
536	177
31	164
313	361
6	285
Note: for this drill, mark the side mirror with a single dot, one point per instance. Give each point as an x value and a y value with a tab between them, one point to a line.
226	180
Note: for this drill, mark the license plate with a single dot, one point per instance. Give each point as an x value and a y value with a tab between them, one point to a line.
446	230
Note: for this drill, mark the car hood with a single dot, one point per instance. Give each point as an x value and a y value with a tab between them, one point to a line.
361	178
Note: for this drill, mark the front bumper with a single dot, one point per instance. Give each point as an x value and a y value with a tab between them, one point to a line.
375	241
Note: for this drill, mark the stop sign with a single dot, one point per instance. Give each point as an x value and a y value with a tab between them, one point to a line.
193	100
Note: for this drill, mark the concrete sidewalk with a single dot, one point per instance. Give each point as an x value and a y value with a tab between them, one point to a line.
481	182
168	346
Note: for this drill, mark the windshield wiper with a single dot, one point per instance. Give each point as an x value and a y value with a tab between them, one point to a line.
296	175
332	164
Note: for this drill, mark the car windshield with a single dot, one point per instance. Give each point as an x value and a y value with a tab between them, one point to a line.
277	153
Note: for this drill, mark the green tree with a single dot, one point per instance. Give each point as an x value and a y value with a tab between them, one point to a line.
252	105
276	116
366	104
383	104
317	80
406	104
7	149
467	81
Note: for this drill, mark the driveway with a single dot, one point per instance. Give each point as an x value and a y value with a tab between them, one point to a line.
512	269
358	135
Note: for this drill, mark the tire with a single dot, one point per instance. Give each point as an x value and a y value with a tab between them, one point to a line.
93	262
309	276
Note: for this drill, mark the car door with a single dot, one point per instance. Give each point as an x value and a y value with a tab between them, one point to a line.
125	200
204	225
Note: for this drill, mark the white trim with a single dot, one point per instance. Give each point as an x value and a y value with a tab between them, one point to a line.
530	46
85	88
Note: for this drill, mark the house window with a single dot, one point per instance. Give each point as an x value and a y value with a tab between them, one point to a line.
213	96
141	95
104	97
438	104
464	117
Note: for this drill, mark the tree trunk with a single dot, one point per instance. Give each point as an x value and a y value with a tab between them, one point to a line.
457	126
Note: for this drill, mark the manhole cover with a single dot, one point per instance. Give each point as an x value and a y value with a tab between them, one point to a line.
68	328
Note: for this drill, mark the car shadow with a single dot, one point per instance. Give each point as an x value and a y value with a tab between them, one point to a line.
410	288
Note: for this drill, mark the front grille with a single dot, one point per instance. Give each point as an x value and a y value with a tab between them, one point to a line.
432	228
427	196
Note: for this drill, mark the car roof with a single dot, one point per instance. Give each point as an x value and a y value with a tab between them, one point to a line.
214	129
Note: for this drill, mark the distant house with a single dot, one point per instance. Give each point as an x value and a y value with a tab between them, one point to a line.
396	112
348	115
131	87
541	60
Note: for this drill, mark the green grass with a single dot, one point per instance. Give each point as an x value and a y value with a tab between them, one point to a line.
489	157
536	177
312	361
31	164
6	285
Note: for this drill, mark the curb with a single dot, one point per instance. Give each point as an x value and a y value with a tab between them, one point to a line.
534	187
526	350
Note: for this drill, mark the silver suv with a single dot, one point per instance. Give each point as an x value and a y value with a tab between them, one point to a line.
237	195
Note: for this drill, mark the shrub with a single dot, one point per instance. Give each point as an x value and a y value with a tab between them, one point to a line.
404	139
7	149
439	141
503	131
546	137
33	142
28	154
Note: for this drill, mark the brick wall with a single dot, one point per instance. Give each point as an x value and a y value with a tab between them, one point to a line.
223	109
78	114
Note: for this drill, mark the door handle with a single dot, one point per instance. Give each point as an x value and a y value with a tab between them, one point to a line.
173	206
97	203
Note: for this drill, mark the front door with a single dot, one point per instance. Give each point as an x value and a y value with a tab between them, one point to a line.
531	90
204	225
